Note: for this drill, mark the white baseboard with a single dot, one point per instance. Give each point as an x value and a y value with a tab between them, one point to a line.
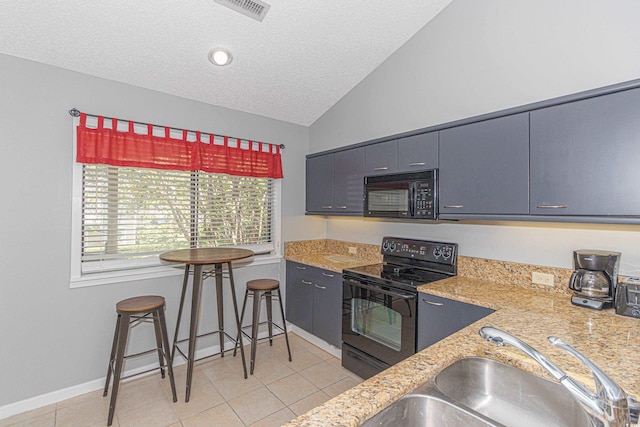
36	402
337	352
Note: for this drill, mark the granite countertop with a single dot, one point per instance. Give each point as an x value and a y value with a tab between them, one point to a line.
332	255
329	261
611	341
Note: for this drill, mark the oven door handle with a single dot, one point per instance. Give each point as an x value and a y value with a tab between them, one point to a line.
358	284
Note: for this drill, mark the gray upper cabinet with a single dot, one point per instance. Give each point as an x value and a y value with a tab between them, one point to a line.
418	152
484	168
335	183
348	181
319	184
584	157
381	158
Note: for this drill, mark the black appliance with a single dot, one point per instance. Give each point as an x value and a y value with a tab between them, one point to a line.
594	281
407	195
379	316
628	297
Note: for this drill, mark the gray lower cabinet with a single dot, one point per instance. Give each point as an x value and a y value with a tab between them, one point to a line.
335	183
314	301
440	317
484	167
381	158
584	157
418	152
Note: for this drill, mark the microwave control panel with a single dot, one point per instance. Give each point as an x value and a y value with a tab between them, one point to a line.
424	203
437	252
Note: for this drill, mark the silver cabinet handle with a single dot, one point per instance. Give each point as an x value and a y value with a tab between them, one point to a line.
300	267
412	165
341	207
454	206
552	206
327	207
327	275
382	168
437	304
307	283
320	287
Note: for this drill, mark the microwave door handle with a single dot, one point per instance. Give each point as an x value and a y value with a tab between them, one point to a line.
412	197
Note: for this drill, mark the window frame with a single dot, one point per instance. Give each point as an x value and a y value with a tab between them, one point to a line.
77	279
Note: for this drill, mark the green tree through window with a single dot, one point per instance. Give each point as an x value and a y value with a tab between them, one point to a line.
131	214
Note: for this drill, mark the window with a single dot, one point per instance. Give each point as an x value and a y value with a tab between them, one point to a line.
123	217
131	215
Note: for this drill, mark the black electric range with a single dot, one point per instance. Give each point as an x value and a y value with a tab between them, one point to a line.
379	316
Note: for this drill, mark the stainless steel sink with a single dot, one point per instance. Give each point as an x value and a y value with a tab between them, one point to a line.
427	411
509	395
483	392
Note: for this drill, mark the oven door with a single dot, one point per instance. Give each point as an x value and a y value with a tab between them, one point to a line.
378	322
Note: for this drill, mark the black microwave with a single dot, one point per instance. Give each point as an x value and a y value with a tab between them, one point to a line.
403	195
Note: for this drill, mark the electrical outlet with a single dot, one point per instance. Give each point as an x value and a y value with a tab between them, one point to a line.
352	250
542	278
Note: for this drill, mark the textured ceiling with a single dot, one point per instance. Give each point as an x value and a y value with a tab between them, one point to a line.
293	66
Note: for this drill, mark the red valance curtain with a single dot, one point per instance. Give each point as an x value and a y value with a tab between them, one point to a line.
110	146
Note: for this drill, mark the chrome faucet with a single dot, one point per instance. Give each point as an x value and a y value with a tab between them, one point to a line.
610	406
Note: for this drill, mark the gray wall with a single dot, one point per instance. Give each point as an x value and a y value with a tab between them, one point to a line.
476	57
52	336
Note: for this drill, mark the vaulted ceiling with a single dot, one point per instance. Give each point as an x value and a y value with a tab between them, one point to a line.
293	66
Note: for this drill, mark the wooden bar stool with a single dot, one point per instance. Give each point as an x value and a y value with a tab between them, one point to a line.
132	310
258	289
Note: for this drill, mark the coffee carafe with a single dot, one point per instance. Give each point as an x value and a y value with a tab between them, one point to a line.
594	279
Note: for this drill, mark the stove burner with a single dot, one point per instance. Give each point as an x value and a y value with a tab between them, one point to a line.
397	270
409	263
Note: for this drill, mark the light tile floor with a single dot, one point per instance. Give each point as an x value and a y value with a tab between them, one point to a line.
278	391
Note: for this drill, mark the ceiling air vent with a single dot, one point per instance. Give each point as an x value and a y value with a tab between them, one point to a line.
252	8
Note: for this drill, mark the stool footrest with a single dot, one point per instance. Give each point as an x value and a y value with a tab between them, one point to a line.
232	340
275	325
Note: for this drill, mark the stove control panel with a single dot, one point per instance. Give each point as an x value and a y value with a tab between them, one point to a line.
424	250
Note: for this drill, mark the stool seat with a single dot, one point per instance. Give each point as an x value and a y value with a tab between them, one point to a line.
140	304
263	284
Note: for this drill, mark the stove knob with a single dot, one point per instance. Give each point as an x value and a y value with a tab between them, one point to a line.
437	252
385	245
392	246
446	253
635	312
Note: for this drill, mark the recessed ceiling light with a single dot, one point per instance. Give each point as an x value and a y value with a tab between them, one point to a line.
220	56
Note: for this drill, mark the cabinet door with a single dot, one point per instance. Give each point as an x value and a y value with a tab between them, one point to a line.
327	307
484	167
440	317
381	158
584	157
348	181
319	184
299	295
418	152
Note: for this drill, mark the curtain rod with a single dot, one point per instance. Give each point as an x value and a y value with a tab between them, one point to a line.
74	112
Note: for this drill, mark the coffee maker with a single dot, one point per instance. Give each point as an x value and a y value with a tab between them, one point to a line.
594	279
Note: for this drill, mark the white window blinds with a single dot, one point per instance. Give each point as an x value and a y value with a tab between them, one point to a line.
130	215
